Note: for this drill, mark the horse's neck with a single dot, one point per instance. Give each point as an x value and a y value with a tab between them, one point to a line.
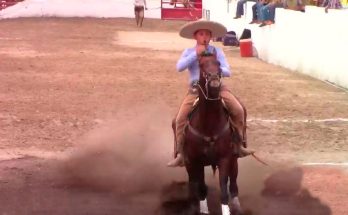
210	103
211	116
209	106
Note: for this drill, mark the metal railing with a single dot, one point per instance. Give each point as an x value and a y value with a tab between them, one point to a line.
7	3
182	3
181	9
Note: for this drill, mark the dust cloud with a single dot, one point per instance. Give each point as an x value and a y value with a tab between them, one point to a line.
276	189
128	154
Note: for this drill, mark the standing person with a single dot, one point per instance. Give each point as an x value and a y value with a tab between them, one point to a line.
202	31
139	6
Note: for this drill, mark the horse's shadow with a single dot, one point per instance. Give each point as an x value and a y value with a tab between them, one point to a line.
282	195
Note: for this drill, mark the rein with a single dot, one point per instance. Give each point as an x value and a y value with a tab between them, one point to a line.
205	95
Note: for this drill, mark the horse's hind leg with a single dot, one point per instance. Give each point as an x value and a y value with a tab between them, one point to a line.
233	174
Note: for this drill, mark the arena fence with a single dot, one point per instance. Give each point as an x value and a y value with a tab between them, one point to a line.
7	3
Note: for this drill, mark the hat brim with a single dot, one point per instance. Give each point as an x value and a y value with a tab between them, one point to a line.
216	29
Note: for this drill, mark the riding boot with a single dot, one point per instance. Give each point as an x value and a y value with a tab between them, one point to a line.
241	151
179	160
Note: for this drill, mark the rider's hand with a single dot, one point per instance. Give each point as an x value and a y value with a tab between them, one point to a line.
200	49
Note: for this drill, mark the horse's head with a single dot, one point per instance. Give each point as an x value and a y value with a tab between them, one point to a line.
210	75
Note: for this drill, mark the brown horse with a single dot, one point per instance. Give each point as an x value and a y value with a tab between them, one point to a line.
210	140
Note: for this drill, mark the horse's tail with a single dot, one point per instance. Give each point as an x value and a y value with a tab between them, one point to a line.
213	166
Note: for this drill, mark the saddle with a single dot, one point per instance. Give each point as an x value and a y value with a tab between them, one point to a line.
231	123
195	104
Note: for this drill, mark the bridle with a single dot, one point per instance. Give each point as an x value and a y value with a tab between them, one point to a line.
208	78
206	96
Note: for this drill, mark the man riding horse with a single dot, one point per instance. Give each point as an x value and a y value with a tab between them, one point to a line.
202	31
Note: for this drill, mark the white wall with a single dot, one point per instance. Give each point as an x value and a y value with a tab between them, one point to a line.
313	43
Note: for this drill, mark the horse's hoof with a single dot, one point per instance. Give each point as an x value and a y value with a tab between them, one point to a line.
225	210
203	207
235	206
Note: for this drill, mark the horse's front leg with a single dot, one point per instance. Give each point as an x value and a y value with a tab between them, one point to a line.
198	188
223	178
233	173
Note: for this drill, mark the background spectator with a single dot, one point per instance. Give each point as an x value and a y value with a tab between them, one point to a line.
256	8
331	4
240	8
267	12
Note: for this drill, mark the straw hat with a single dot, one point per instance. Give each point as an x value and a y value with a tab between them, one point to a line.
217	29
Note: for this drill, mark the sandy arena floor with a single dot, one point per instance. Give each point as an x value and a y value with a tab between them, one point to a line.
85	111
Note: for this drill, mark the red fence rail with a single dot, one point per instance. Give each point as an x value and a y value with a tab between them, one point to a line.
7	3
181	10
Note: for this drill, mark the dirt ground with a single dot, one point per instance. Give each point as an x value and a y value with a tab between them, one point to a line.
85	111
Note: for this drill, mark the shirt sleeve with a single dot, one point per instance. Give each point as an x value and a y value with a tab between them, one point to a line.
186	59
225	67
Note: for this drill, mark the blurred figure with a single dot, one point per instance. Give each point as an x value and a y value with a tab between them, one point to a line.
256	8
331	4
139	6
240	8
186	3
267	12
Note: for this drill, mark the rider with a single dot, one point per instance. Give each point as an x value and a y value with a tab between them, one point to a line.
202	31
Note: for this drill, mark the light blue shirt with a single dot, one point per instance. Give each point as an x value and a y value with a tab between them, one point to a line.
189	60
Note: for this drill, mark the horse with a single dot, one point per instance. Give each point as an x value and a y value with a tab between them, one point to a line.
210	139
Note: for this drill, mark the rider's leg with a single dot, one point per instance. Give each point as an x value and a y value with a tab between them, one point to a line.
236	112
181	119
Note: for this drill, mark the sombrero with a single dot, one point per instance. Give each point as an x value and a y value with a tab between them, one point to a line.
217	29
